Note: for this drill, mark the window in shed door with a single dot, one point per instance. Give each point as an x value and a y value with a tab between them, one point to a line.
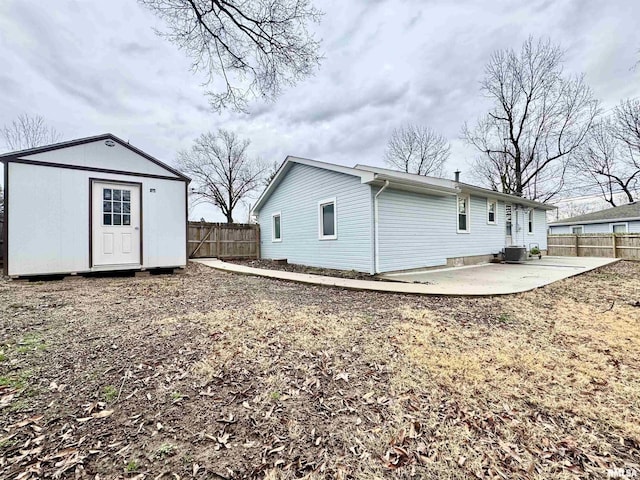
116	206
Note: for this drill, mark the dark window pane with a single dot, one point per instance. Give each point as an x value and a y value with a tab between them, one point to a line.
327	220
116	194
117	219
126	195
462	222
106	219
117	207
492	217
276	227
106	194
106	207
126	219
126	207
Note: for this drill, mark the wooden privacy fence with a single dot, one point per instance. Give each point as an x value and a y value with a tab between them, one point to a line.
224	240
619	245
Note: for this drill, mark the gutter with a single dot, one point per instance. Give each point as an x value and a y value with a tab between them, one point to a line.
376	228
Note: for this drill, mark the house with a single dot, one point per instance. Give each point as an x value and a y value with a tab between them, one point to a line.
376	220
622	219
93	204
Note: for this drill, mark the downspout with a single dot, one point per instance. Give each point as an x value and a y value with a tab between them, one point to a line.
376	228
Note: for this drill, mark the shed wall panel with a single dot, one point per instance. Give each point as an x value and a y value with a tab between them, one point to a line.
49	220
98	155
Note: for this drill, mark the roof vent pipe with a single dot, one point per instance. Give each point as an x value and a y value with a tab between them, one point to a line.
457	174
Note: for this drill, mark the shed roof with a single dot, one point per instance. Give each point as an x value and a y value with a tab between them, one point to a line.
630	211
81	141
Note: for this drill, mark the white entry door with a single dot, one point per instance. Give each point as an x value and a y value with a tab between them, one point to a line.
508	211
116	225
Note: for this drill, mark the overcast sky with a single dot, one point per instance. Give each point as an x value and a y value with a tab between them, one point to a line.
91	67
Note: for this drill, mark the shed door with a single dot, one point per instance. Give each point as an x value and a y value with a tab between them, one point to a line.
115	226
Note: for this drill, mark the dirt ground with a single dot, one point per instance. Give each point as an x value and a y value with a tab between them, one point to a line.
293	267
212	375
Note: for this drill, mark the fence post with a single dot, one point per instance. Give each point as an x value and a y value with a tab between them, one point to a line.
615	246
257	231
218	230
577	245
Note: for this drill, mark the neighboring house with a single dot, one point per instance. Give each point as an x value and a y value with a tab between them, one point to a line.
376	220
622	219
94	204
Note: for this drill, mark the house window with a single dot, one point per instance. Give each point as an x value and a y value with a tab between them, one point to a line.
619	228
276	228
463	214
492	209
530	221
116	207
577	230
327	220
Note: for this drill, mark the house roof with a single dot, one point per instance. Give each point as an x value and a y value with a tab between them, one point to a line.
81	141
404	181
630	211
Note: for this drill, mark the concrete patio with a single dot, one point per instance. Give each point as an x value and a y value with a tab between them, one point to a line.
477	280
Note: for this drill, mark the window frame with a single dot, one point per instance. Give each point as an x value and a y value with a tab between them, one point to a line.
495	212
617	224
467	213
273	227
321	204
581	227
531	221
112	203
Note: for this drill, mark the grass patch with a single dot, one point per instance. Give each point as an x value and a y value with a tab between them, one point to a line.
132	466
17	381
31	343
165	450
109	393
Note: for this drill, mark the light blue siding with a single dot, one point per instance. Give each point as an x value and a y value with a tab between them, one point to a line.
632	227
297	197
417	230
539	235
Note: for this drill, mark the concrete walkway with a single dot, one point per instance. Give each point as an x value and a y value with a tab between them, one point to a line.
479	280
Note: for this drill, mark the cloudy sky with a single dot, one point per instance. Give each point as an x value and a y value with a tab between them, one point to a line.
91	67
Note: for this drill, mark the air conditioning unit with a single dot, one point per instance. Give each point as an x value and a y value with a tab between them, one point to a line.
515	254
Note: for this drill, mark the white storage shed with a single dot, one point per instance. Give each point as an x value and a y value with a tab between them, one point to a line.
89	205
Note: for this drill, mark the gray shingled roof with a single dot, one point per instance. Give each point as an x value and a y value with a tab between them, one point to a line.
623	212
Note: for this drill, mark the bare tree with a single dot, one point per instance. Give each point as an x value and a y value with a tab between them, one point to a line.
271	173
610	157
28	132
538	118
222	171
417	149
254	46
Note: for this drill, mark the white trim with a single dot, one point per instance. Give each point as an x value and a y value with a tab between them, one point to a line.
626	226
321	204
581	227
467	213
273	227
495	211
531	220
376	226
